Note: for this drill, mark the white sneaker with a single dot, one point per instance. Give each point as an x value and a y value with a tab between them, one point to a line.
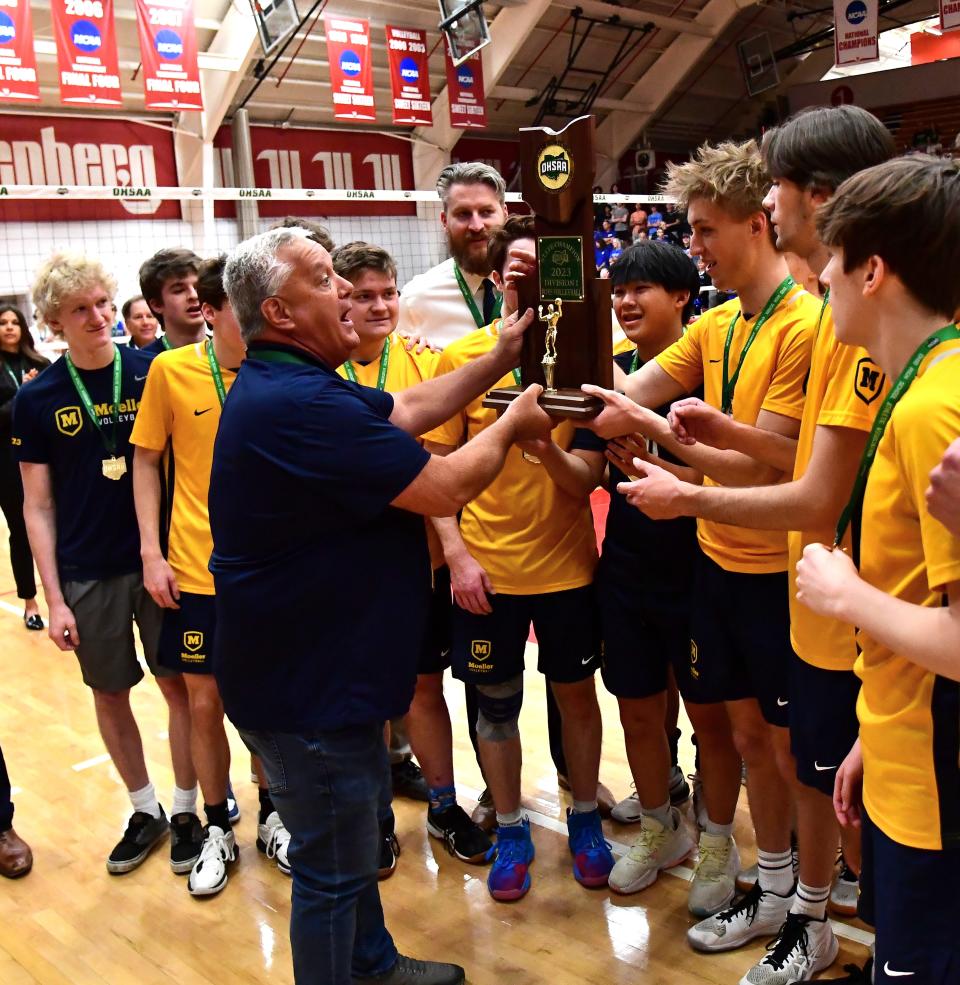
712	886
758	914
628	811
209	873
273	839
657	848
803	947
843	895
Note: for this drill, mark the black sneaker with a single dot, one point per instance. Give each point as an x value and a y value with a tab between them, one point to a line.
186	837
408	781
389	849
142	834
409	971
464	839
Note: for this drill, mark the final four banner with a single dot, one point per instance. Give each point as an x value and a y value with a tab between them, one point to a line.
18	63
468	103
86	52
168	50
351	69
950	15
409	76
855	36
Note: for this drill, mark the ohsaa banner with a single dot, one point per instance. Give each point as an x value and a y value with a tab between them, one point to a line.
86	52
18	63
351	69
855	34
949	15
409	76
168	50
468	103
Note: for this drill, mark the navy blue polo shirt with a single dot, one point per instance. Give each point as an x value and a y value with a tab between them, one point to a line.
322	587
96	524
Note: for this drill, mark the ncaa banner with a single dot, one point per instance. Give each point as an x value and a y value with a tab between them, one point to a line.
409	76
168	50
855	34
351	69
949	15
468	104
18	63
86	52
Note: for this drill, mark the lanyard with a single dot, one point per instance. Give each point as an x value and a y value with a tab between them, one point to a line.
165	342
215	373
730	383
13	376
635	362
899	388
384	363
493	330
471	301
109	443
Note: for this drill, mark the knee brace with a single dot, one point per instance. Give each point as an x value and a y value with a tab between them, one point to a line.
499	706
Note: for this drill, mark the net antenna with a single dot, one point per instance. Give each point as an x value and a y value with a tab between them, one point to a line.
465	27
276	21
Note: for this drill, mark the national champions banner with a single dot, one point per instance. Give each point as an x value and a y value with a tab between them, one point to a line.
168	50
351	69
18	63
855	35
409	76
468	104
86	52
949	15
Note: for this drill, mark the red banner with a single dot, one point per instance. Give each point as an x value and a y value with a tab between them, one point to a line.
468	104
168	50
295	158
18	63
47	150
86	52
409	76
351	69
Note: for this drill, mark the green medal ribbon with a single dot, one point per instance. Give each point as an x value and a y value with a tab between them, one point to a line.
215	373
13	376
471	301
165	342
907	376
635	362
384	363
109	442
730	383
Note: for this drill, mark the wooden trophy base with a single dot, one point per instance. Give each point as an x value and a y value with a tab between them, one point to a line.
563	402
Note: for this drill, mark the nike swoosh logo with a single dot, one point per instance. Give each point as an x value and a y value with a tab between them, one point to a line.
781	703
887	970
197	413
140	379
822	769
588	660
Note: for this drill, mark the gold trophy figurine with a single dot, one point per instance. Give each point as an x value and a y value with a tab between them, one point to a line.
549	361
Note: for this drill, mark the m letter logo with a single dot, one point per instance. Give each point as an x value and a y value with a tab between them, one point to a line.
69	420
192	641
480	650
869	381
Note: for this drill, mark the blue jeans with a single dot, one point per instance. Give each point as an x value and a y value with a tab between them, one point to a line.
331	789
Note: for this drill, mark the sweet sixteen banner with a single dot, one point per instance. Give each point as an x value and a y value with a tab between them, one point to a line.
351	68
168	50
409	76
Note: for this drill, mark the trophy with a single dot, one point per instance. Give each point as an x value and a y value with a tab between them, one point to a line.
557	170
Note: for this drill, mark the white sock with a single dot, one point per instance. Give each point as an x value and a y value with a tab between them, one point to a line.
584	806
811	901
718	830
663	814
513	818
184	801
145	800
775	872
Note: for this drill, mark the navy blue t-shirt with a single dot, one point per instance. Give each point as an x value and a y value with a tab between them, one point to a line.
655	555
97	533
155	347
322	587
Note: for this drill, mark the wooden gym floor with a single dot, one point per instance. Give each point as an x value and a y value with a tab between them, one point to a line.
70	923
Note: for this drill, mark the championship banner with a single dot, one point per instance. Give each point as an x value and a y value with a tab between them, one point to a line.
86	52
468	104
949	15
409	76
18	63
855	33
351	69
168	50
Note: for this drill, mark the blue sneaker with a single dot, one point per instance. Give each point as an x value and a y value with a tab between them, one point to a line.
592	858
509	877
233	808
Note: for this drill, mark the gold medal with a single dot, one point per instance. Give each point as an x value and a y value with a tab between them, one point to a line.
114	468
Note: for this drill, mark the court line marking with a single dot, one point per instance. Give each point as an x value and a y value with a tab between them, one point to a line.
104	757
11	608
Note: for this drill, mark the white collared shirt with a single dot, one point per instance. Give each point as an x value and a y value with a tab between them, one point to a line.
431	305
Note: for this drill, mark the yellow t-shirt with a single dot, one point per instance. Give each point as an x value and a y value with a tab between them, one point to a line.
771	379
180	410
907	714
845	389
404	369
529	535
